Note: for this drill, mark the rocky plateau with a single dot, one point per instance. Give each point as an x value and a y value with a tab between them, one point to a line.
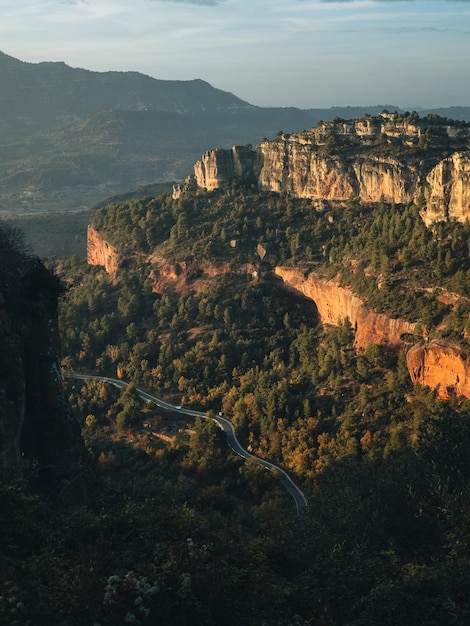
383	157
388	157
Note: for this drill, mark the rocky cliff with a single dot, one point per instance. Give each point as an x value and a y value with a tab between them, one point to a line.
436	365
39	440
100	252
190	276
384	157
165	277
297	168
335	303
442	367
448	190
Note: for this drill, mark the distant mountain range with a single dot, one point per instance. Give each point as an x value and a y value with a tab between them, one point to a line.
71	137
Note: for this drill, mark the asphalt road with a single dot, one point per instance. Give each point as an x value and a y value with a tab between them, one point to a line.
228	428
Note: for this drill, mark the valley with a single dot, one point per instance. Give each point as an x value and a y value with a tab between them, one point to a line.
311	293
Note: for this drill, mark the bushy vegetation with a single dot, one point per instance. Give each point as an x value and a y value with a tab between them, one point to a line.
384	252
170	527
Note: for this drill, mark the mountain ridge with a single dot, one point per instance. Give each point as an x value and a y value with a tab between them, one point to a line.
392	156
70	137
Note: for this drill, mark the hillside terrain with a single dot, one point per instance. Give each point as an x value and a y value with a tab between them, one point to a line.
70	137
333	332
296	324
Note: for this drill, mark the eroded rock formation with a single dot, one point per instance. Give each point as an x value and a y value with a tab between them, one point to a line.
101	252
442	367
219	166
335	303
372	159
182	277
448	190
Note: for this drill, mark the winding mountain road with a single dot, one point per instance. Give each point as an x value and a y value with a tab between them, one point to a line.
228	428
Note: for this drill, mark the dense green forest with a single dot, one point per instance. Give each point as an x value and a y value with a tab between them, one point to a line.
384	252
167	525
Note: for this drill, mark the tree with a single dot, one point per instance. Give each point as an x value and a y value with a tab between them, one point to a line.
206	444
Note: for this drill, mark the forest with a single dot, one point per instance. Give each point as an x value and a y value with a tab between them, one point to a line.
168	526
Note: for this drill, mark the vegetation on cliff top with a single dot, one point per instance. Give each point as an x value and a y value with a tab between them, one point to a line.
171	528
405	137
379	470
384	252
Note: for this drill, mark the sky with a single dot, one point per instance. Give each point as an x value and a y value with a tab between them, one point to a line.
302	53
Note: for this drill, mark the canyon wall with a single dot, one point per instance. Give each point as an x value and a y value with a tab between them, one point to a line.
183	277
335	303
100	252
372	159
437	365
442	367
447	190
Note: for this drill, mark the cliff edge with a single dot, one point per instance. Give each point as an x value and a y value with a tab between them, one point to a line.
101	252
442	367
387	158
335	303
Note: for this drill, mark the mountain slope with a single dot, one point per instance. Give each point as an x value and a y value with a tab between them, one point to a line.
44	94
71	137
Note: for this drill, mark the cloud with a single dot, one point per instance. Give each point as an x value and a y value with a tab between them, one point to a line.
379	1
207	3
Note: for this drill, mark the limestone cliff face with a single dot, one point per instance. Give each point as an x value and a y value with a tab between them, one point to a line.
334	303
304	172
100	252
297	169
219	166
36	427
447	190
442	367
337	160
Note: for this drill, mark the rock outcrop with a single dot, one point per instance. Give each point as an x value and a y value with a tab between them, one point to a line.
39	440
101	252
442	367
448	190
335	303
298	169
373	159
220	165
182	277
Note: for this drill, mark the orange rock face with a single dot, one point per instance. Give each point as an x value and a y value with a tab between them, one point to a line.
100	252
437	365
441	367
335	304
183	277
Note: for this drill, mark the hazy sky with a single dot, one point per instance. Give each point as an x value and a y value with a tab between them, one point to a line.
304	53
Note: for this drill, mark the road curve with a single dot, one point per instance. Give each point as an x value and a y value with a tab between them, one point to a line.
228	428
